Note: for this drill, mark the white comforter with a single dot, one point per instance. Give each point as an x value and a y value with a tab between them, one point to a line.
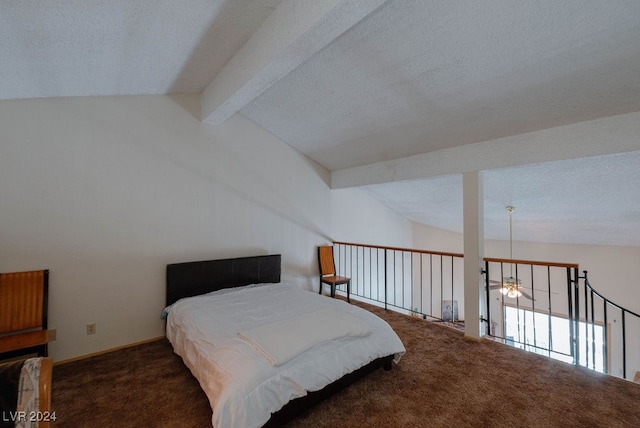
243	387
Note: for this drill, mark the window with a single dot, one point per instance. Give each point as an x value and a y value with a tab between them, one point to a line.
550	335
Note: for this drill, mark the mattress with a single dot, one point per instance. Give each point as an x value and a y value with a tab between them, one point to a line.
243	386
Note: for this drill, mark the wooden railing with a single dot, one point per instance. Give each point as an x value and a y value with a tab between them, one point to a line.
565	318
623	356
544	301
426	284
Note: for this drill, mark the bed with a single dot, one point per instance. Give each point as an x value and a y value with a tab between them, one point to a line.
264	351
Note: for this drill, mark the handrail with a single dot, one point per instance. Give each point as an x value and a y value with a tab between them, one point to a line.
460	255
408	250
532	262
590	291
588	284
417	281
429	284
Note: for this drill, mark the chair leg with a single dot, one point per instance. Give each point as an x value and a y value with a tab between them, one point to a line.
348	291
333	290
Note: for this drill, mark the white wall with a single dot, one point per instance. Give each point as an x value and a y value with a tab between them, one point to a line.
613	270
371	223
105	191
434	239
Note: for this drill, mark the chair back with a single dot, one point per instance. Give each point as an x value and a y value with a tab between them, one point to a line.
325	260
23	300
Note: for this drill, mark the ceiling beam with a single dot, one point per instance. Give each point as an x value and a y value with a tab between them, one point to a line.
295	31
599	137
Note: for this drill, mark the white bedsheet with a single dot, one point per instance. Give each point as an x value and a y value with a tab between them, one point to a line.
303	332
242	386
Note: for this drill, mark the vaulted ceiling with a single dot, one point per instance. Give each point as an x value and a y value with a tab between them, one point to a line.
398	97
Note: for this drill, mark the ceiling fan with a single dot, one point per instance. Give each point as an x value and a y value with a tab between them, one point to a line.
510	286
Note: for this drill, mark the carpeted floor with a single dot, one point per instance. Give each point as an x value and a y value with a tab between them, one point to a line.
443	380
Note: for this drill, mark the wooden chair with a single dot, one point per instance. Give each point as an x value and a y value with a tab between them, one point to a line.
328	272
23	313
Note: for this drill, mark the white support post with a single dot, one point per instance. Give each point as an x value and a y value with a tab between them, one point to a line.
472	190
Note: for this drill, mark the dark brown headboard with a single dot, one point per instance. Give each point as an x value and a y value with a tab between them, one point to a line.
195	278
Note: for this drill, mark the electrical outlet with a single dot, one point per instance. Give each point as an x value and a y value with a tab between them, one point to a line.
91	328
52	335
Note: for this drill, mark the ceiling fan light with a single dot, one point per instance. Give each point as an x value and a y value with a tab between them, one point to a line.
510	285
510	282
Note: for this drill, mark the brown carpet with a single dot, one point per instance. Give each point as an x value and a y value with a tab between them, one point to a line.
443	380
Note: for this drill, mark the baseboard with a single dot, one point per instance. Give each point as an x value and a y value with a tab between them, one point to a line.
473	339
106	351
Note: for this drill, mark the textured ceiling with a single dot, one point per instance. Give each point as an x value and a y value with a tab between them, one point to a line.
418	76
356	82
585	201
63	48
